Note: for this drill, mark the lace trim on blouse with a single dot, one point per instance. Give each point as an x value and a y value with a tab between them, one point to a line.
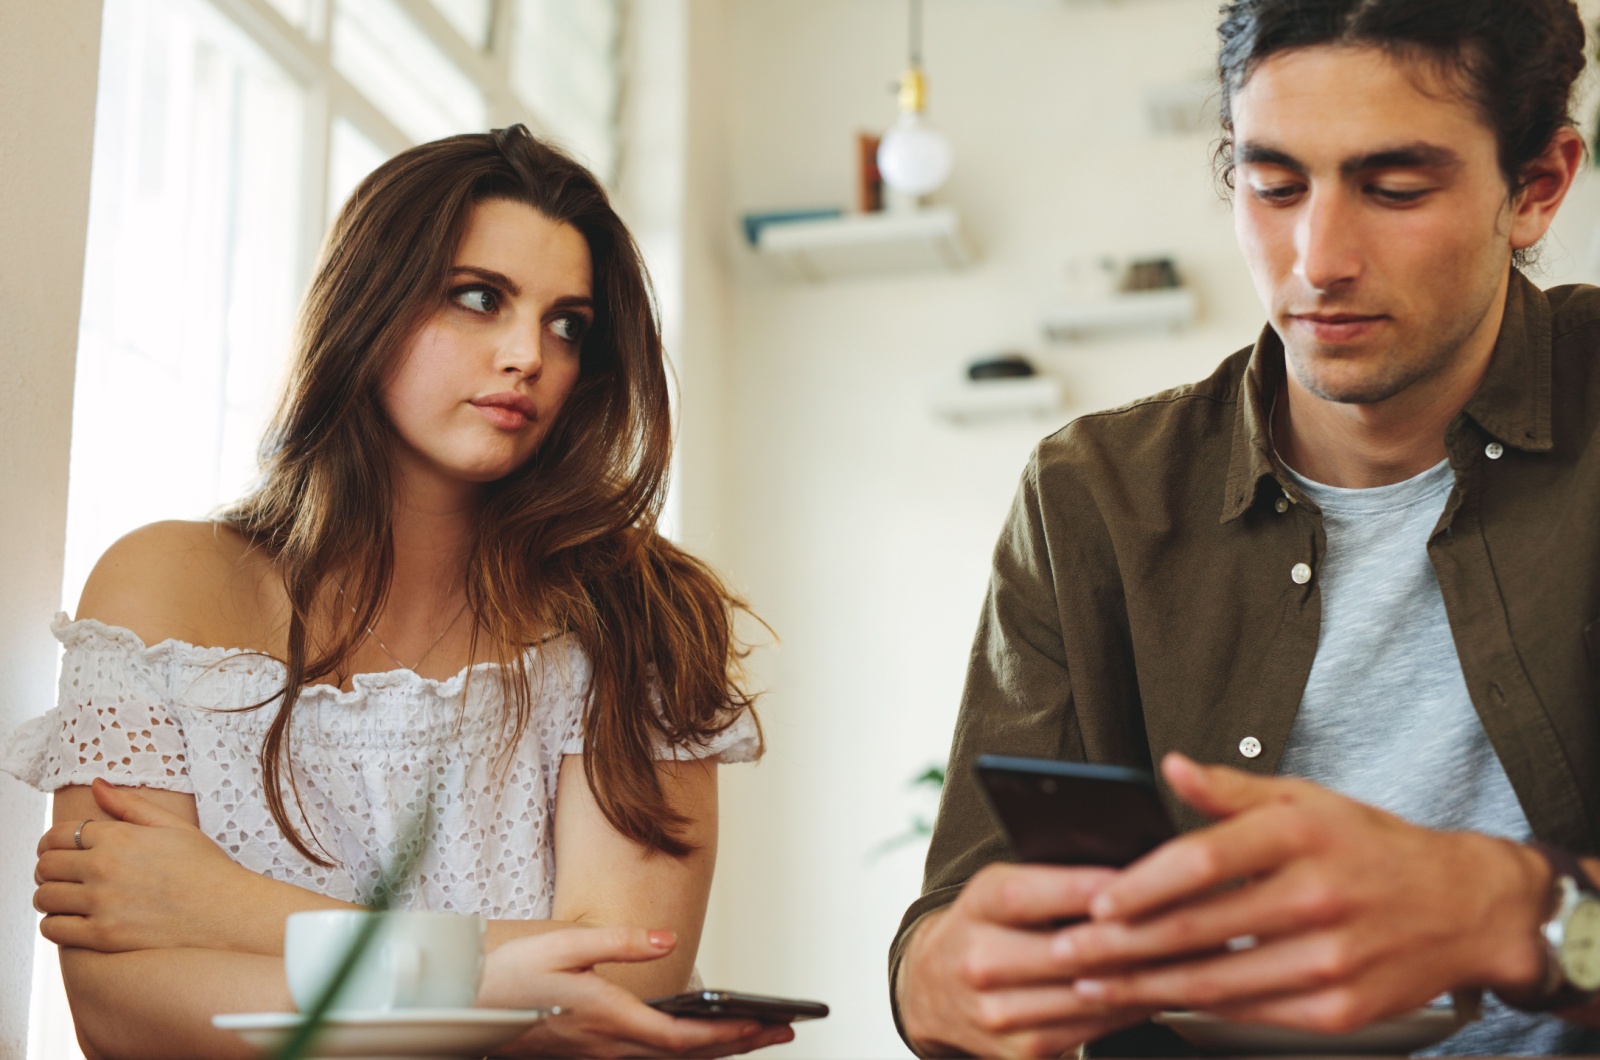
370	763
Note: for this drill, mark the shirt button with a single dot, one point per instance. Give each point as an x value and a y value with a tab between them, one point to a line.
1301	573
1250	747
1494	450
1282	505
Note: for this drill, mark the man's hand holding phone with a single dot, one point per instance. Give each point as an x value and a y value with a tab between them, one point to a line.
983	976
1359	916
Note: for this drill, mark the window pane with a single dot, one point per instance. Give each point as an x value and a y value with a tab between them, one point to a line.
470	19
406	75
351	156
296	12
191	272
564	66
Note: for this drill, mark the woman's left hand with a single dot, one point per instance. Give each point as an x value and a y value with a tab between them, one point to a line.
148	879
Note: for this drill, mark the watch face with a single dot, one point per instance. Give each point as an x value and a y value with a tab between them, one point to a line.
1580	945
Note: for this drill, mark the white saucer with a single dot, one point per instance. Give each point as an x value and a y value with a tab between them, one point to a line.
400	1034
1396	1037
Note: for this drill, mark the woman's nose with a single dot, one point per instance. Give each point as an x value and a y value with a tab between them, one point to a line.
520	352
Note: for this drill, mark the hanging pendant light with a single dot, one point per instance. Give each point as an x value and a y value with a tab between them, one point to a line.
913	157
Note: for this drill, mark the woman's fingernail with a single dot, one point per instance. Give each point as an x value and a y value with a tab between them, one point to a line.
1093	989
1064	947
1101	906
662	939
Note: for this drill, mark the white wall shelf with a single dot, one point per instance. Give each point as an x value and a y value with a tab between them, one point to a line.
1168	309
922	240
970	401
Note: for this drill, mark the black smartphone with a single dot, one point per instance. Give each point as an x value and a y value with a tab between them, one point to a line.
1074	813
726	1005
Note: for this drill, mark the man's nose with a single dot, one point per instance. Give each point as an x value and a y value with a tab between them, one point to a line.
1327	254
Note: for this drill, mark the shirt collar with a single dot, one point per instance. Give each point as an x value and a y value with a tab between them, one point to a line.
1512	403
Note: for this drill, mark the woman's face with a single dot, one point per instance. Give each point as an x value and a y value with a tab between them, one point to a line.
480	383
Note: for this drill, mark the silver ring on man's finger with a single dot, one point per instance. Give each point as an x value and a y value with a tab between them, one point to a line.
77	837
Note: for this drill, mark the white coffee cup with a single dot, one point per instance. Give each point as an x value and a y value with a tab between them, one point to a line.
416	959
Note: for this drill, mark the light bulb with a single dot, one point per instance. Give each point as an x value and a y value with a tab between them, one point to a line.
914	158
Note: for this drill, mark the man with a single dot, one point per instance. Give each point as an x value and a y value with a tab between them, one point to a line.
1355	570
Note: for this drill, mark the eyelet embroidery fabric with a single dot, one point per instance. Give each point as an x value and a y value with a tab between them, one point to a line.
369	763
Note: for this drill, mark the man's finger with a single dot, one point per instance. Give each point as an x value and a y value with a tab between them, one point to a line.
1377	995
1301	963
1219	791
132	807
1031	895
1004	1012
998	957
1279	905
1193	865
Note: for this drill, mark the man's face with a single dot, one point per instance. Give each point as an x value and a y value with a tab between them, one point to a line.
1374	217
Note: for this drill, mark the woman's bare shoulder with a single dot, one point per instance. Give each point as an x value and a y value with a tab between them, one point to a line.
199	582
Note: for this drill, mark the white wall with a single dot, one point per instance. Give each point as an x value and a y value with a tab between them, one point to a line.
49	56
859	524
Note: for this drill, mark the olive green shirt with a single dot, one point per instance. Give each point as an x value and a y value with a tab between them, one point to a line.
1148	593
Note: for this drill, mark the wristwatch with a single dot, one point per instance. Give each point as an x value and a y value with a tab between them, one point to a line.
1571	937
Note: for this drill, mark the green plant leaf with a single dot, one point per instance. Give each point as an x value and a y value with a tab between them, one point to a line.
383	896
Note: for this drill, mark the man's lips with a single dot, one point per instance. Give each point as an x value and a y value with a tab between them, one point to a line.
507	409
1338	327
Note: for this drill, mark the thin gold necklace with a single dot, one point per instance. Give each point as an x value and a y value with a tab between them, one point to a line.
385	648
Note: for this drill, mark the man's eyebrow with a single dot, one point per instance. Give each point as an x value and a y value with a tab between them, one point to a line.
1407	156
499	279
1419	155
1252	154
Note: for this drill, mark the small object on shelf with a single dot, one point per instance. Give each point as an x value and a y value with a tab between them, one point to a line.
1151	274
857	244
989	398
1001	366
755	222
1162	308
869	181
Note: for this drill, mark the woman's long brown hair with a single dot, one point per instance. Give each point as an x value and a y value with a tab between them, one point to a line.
565	545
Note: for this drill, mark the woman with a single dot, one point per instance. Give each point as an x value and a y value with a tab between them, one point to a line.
441	631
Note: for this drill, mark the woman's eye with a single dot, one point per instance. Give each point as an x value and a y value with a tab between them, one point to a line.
477	299
570	329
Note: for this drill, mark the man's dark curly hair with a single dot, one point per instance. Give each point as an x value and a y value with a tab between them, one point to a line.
1515	60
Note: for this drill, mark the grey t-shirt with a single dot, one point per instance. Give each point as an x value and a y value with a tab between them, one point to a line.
1386	718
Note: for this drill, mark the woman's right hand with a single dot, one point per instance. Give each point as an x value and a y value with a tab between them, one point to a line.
598	1018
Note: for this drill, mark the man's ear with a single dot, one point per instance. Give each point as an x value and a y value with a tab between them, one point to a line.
1546	181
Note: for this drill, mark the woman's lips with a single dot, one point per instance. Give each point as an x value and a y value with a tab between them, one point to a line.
1337	327
507	410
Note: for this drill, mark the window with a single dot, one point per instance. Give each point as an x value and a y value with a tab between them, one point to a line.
227	135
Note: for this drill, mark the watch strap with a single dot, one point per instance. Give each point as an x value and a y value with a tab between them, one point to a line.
1557	992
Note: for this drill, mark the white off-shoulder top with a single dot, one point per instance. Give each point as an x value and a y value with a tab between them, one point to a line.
369	763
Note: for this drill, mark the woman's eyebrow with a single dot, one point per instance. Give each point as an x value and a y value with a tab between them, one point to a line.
499	279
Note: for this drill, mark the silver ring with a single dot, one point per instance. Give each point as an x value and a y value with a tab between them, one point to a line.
77	837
